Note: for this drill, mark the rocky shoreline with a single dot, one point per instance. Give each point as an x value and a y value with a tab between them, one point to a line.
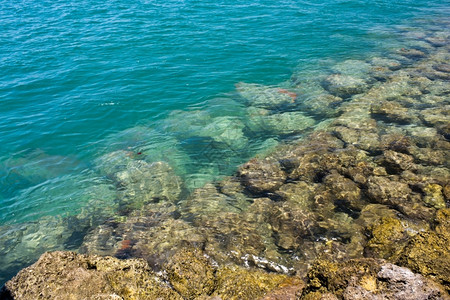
356	209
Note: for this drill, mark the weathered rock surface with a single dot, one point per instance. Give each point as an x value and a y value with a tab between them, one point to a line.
67	275
344	85
265	96
369	279
189	275
261	176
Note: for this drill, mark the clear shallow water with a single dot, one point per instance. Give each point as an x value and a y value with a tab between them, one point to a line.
81	80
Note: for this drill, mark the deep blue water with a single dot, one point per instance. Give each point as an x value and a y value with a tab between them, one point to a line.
79	79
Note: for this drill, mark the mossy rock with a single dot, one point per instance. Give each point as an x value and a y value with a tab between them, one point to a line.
443	219
428	253
332	277
242	283
368	279
191	273
386	238
68	275
434	196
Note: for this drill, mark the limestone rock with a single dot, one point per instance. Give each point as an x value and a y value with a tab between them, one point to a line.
400	283
434	196
411	53
385	191
428	253
261	176
387	238
265	96
345	190
225	130
396	162
67	275
393	112
240	283
191	273
142	183
344	85
352	67
369	279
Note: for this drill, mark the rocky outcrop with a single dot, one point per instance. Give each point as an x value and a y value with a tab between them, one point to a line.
67	275
189	274
368	279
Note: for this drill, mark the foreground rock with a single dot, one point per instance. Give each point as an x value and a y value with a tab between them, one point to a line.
369	279
67	275
189	275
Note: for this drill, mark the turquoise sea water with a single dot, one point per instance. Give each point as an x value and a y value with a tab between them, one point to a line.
80	80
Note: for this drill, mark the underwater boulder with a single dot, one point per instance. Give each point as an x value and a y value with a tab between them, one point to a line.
225	130
262	175
141	183
265	96
344	86
353	67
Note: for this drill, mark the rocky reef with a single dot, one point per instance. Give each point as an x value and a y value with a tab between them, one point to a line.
353	205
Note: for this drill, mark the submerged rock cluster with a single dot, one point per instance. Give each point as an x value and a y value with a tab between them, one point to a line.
356	208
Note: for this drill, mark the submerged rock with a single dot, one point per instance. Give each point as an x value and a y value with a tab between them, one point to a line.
154	233
344	85
411	53
227	130
352	67
387	238
261	176
393	112
141	183
265	96
280	123
322	105
392	64
433	196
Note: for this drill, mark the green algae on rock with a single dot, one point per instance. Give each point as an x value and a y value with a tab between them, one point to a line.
190	275
67	275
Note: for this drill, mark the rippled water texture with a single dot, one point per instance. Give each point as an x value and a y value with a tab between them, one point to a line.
106	107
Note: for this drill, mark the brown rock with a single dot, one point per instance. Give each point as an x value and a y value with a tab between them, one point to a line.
411	53
428	253
289	289
261	176
191	273
396	162
236	283
387	238
385	191
393	112
67	275
369	279
345	190
344	85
